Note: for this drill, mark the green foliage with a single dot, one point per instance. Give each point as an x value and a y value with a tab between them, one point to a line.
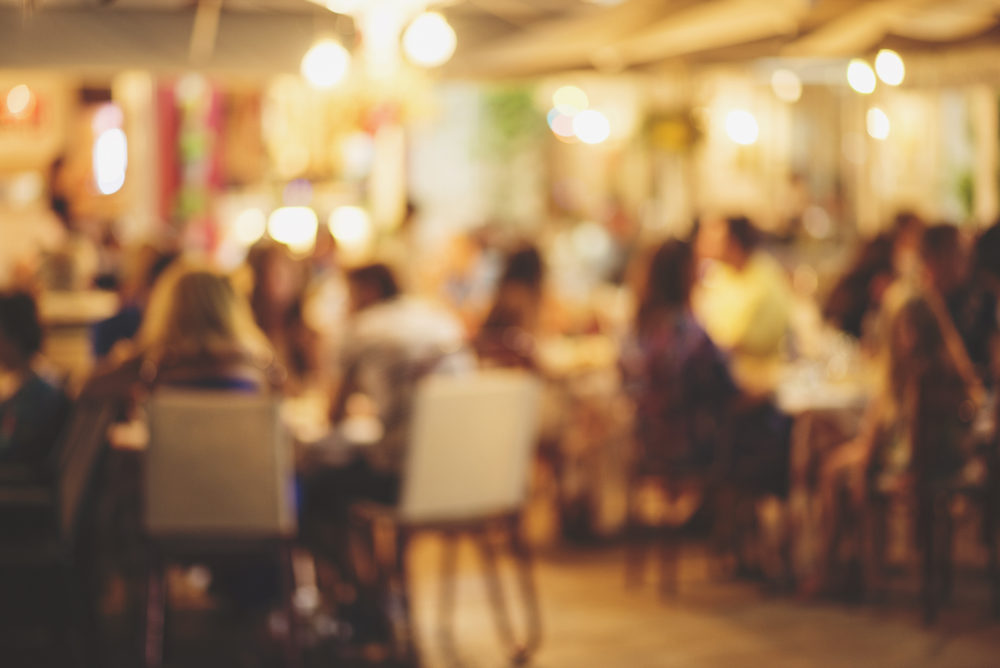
510	119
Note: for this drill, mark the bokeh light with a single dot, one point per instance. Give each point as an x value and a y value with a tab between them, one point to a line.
570	100
591	127
294	226
429	41
786	85
19	100
351	226
890	68
326	64
560	123
249	226
110	160
741	127
861	76
877	123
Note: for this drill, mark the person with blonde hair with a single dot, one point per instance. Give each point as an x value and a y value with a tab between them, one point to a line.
198	332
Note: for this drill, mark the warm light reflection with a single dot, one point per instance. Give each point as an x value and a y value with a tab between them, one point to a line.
110	161
343	6
351	226
560	123
861	76
249	226
19	99
570	100
786	85
326	64
591	127
741	127
429	40
890	68
877	123
294	226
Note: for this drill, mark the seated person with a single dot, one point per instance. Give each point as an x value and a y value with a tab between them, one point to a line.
690	413
124	324
971	306
914	431
507	337
33	410
197	332
743	300
392	341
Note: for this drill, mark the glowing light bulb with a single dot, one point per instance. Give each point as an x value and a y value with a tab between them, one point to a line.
110	160
786	85
570	100
352	228
326	64
591	127
877	123
249	226
861	76
429	40
741	126
890	68
19	99
294	226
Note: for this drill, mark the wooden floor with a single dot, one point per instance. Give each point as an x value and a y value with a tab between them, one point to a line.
591	620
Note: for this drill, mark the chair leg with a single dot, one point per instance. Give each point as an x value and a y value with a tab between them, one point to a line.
494	588
293	658
155	609
635	552
669	563
446	613
990	536
529	590
408	653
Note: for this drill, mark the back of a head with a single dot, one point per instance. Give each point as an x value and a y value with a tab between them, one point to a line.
197	310
987	252
742	233
19	324
524	266
940	242
376	279
669	280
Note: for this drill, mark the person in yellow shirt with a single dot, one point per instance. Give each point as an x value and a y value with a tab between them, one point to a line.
743	300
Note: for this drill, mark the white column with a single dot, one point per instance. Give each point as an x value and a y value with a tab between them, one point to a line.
136	93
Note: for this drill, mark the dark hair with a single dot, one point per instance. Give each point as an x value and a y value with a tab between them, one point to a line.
668	282
851	298
938	241
19	322
987	251
377	276
523	266
743	232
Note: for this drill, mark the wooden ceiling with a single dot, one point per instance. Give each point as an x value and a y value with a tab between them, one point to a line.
497	38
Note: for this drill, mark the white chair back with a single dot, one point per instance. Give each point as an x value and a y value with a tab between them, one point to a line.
470	449
219	465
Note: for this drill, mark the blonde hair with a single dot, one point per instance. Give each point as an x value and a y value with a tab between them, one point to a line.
196	311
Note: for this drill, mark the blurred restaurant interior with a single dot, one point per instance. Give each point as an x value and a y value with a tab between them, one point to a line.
476	332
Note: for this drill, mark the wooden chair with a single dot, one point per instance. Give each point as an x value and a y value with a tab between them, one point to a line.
466	474
219	481
930	498
46	559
